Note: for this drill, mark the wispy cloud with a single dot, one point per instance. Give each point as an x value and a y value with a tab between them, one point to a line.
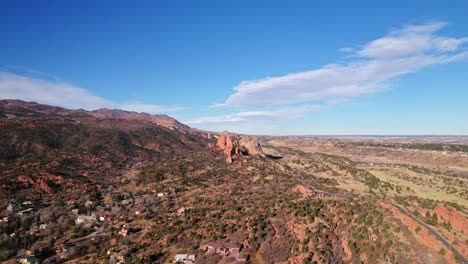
374	65
55	92
257	116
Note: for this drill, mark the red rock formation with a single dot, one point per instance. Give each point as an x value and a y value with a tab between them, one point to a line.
230	146
251	146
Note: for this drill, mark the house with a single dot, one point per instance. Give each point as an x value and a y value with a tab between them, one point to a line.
105	217
85	219
181	211
43	226
184	258
13	206
127	201
125	230
27	203
26	211
162	194
28	259
223	248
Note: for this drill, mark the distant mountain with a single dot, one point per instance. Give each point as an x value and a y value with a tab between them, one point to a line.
161	120
15	107
44	146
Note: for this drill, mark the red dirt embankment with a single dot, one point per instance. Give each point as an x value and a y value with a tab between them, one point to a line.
455	218
422	236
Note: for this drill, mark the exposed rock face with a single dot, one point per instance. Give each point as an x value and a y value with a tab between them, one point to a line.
422	236
233	145
250	146
456	220
230	146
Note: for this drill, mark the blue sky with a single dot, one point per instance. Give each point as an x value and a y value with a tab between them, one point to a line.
257	67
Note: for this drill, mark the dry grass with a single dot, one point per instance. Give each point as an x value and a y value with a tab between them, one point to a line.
421	185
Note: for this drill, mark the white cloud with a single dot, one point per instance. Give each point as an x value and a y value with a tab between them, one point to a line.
13	86
411	40
257	116
375	64
59	93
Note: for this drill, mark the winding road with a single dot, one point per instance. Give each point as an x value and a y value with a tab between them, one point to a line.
404	211
433	232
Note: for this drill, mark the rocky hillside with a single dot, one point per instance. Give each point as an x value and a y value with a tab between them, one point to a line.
45	147
110	185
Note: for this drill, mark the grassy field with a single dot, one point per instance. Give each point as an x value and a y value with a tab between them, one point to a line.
436	187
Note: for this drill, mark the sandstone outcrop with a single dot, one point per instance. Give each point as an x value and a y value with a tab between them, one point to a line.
229	145
250	146
233	145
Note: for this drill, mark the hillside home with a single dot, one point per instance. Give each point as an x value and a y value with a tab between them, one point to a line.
89	203
28	259
105	217
125	230
184	258
181	211
127	201
26	211
85	219
223	248
13	206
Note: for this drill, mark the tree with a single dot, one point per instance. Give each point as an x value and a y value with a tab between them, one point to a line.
389	243
434	219
418	229
442	251
27	223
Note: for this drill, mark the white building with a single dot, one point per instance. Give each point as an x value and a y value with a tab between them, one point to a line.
184	258
85	219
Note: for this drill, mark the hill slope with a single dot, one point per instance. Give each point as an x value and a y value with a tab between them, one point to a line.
108	185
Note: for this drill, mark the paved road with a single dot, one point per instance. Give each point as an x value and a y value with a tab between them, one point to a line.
403	210
433	232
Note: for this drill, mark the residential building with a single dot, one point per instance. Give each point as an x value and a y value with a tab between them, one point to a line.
223	248
184	258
